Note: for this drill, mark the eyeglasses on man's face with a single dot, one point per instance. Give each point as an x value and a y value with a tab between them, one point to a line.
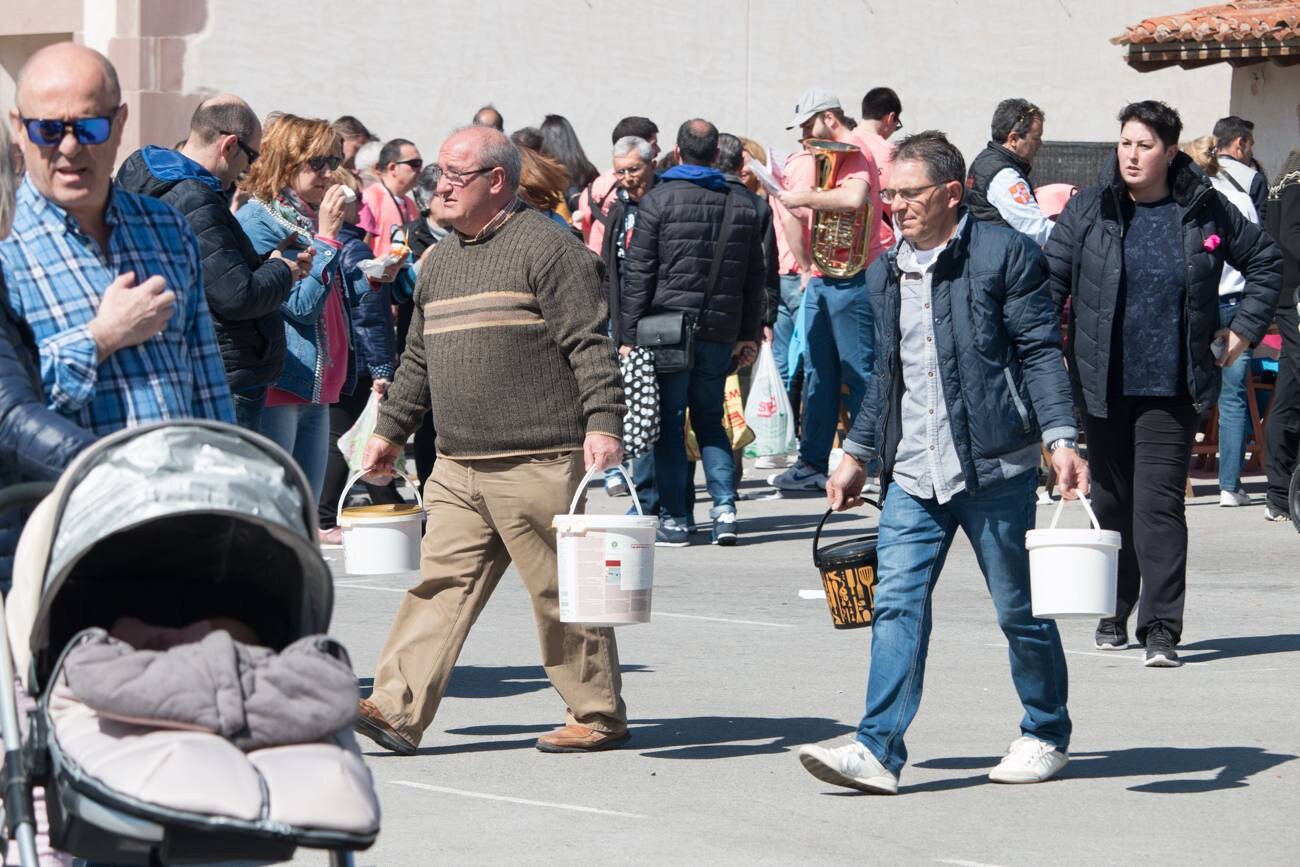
50	132
248	152
320	164
630	171
457	178
908	194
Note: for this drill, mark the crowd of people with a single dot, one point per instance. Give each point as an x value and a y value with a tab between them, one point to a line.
945	334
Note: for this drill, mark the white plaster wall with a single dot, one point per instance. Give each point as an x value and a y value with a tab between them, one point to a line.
1269	96
421	67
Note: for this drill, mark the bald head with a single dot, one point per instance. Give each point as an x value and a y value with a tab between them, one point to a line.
224	134
68	68
480	176
489	116
68	82
697	142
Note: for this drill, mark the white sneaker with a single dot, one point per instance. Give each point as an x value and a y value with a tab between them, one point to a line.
1234	498
771	462
799	477
1029	760
872	486
852	766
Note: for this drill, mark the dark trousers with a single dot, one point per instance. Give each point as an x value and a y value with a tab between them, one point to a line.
248	406
426	450
1138	458
1282	433
343	415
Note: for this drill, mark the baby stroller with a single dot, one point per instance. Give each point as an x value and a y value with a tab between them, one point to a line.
170	524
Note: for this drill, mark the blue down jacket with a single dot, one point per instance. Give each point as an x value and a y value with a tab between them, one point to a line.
35	443
999	350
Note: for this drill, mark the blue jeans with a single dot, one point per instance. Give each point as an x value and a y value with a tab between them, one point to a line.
248	407
791	297
839	353
302	430
1233	412
700	388
914	538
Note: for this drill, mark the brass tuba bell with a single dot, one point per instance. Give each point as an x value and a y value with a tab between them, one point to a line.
840	240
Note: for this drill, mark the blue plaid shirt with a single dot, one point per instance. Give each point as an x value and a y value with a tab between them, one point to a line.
56	277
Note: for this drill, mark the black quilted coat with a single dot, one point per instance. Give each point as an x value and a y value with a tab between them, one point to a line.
1086	257
667	264
35	443
243	290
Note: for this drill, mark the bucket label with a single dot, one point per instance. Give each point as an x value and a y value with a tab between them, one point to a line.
624	562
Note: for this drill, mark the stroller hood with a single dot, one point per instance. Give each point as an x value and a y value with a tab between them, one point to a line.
169	523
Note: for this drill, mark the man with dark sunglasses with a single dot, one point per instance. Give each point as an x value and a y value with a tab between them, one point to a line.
388	201
107	279
244	290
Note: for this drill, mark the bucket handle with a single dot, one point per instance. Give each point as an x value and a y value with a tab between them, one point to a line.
1056	516
591	474
818	535
352	480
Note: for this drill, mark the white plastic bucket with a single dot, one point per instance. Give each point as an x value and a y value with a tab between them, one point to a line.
380	540
1073	573
606	563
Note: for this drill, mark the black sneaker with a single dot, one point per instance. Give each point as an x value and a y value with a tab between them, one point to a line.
1271	514
1160	649
1111	635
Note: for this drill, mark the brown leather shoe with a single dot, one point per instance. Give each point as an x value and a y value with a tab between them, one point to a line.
371	723
580	739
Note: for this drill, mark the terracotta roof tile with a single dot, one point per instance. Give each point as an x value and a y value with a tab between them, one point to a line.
1244	20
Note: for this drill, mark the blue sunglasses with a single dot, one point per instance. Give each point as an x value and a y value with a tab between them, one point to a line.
48	132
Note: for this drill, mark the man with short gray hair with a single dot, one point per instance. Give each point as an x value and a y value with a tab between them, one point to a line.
508	345
969	379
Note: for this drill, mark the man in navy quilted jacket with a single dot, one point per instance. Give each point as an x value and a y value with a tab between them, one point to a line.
969	379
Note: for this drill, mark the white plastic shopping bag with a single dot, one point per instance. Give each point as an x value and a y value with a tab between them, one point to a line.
768	412
353	442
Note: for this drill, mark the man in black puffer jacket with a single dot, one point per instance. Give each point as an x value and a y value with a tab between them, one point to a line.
678	227
244	291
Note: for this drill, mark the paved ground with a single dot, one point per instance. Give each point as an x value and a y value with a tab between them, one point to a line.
1196	765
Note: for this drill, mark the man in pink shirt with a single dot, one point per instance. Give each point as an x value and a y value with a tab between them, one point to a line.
837	314
880	119
388	204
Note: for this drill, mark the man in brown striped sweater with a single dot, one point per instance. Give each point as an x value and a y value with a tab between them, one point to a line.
508	346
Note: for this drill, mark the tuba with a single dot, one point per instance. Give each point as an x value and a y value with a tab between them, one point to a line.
839	241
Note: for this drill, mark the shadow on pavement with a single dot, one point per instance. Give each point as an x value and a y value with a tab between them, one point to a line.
493	681
1231	766
700	737
1245	645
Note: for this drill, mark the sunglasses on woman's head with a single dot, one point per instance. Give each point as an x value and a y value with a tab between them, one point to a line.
318	164
49	132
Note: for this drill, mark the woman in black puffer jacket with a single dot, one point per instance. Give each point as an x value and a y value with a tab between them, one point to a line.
1139	257
35	443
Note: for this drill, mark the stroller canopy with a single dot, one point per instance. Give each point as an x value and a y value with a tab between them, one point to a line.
170	523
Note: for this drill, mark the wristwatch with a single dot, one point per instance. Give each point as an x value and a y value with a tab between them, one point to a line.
1063	441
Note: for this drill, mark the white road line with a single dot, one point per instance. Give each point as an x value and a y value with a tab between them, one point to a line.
959	863
483	795
1111	655
351	586
654	614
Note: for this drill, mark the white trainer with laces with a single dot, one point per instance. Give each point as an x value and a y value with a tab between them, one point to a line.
1228	499
1029	760
852	766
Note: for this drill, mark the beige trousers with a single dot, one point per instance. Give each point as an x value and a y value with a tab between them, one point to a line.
484	514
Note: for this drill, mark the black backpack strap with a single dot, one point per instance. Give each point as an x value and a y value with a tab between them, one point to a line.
719	248
1227	175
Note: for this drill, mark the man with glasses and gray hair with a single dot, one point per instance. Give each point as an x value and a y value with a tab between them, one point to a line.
244	290
998	186
968	380
509	345
124	333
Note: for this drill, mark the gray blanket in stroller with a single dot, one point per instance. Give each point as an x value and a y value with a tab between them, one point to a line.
252	696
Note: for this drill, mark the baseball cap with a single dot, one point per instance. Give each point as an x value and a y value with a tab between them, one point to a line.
814	101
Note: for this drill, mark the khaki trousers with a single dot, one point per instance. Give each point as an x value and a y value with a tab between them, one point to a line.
484	514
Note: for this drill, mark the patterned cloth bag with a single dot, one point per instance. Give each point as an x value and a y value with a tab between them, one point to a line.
641	386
